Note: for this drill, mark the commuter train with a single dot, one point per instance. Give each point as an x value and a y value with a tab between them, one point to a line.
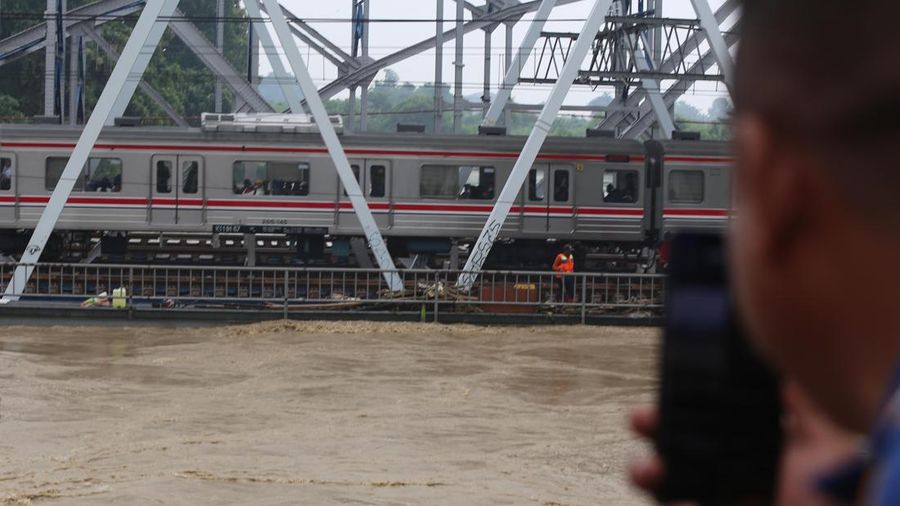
427	193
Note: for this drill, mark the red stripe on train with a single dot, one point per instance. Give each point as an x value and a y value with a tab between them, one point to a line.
697	212
545	210
611	212
699	159
178	202
443	207
268	204
126	201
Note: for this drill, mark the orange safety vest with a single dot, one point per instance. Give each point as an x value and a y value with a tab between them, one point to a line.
564	263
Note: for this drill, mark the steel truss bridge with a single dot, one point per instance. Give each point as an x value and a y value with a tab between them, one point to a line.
649	60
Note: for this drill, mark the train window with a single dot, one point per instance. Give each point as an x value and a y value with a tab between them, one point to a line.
477	183
439	181
163	176
621	186
6	174
377	180
98	174
686	186
561	186
454	182
271	178
190	177
537	185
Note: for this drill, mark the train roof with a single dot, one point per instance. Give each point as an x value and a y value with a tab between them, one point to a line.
504	143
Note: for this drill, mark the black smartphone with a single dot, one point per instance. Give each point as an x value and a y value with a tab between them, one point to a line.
719	404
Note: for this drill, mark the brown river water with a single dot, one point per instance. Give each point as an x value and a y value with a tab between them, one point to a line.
320	413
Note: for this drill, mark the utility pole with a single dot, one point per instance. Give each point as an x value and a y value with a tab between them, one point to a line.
439	68
458	63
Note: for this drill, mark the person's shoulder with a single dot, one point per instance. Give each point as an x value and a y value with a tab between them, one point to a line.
885	481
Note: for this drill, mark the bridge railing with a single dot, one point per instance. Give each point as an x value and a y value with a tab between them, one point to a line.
298	289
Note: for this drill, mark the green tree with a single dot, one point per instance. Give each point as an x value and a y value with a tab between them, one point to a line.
22	81
9	109
174	71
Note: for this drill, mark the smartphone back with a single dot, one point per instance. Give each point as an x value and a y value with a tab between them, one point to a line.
720	426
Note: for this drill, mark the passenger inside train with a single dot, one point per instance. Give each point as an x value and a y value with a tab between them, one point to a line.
627	193
5	173
271	178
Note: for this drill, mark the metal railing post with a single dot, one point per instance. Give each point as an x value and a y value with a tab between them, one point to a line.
284	294
437	296
130	291
584	298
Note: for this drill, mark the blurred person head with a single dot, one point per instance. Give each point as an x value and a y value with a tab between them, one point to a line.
814	246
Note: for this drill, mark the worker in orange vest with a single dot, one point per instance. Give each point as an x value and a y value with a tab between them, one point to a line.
563	265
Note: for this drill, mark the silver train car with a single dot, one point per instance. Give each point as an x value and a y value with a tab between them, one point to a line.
426	192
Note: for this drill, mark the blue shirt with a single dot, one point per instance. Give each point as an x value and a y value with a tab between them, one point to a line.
881	461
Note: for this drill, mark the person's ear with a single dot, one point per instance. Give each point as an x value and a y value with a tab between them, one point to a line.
773	186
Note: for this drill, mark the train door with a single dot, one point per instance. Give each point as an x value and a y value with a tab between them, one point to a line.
374	178
377	189
654	202
561	208
8	199
176	190
535	212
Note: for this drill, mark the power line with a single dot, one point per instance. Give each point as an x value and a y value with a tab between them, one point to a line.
71	16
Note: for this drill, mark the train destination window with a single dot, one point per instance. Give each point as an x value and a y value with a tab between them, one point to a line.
6	174
537	185
163	176
561	186
621	186
190	177
377	180
98	174
454	182
686	186
271	178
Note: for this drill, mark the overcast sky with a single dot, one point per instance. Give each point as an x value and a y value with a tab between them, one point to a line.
330	18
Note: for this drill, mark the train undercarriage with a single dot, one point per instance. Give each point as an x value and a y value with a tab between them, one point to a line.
315	250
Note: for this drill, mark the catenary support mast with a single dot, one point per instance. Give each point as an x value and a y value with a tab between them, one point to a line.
439	68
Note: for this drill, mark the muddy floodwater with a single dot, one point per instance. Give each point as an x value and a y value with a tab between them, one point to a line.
320	413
